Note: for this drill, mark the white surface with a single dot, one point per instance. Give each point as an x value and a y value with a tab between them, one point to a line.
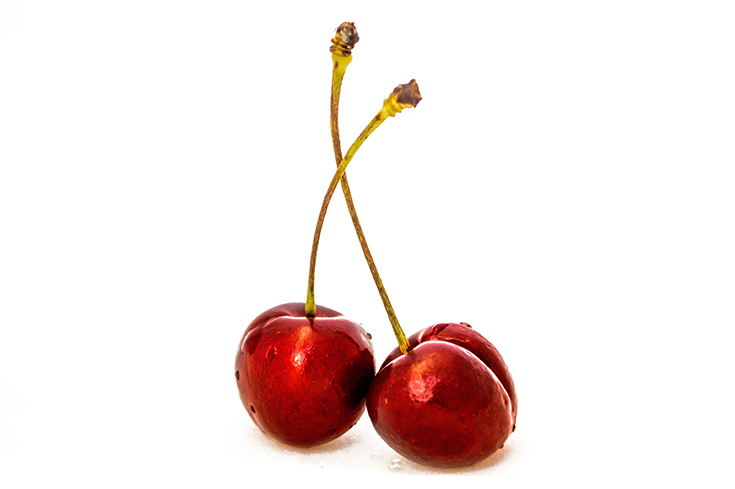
566	186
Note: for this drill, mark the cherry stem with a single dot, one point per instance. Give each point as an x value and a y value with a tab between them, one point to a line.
346	33
404	96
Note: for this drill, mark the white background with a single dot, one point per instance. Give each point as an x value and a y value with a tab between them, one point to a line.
565	186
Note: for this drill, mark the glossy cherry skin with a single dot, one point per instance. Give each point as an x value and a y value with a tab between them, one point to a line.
440	404
462	334
304	381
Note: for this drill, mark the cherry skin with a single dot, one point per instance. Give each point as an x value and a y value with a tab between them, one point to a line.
440	404
462	334
302	380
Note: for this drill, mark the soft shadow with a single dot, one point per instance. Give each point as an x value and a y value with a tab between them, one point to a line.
344	441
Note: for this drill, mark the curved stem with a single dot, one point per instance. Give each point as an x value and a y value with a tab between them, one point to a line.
403	96
340	66
372	126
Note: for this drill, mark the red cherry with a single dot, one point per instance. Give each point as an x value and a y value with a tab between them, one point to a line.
303	381
441	404
462	334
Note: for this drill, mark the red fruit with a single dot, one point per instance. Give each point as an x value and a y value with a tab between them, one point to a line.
441	404
463	335
304	381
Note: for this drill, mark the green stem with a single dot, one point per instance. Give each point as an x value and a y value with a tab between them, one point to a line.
340	66
403	96
372	126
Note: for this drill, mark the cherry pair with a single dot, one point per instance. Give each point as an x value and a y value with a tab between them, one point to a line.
305	373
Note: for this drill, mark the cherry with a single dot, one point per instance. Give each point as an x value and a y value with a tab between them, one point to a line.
440	405
444	397
303	371
449	402
463	335
304	380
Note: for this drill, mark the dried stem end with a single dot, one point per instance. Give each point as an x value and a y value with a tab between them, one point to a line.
403	97
344	40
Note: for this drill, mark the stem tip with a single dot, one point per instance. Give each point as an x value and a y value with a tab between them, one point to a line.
408	94
403	97
345	39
